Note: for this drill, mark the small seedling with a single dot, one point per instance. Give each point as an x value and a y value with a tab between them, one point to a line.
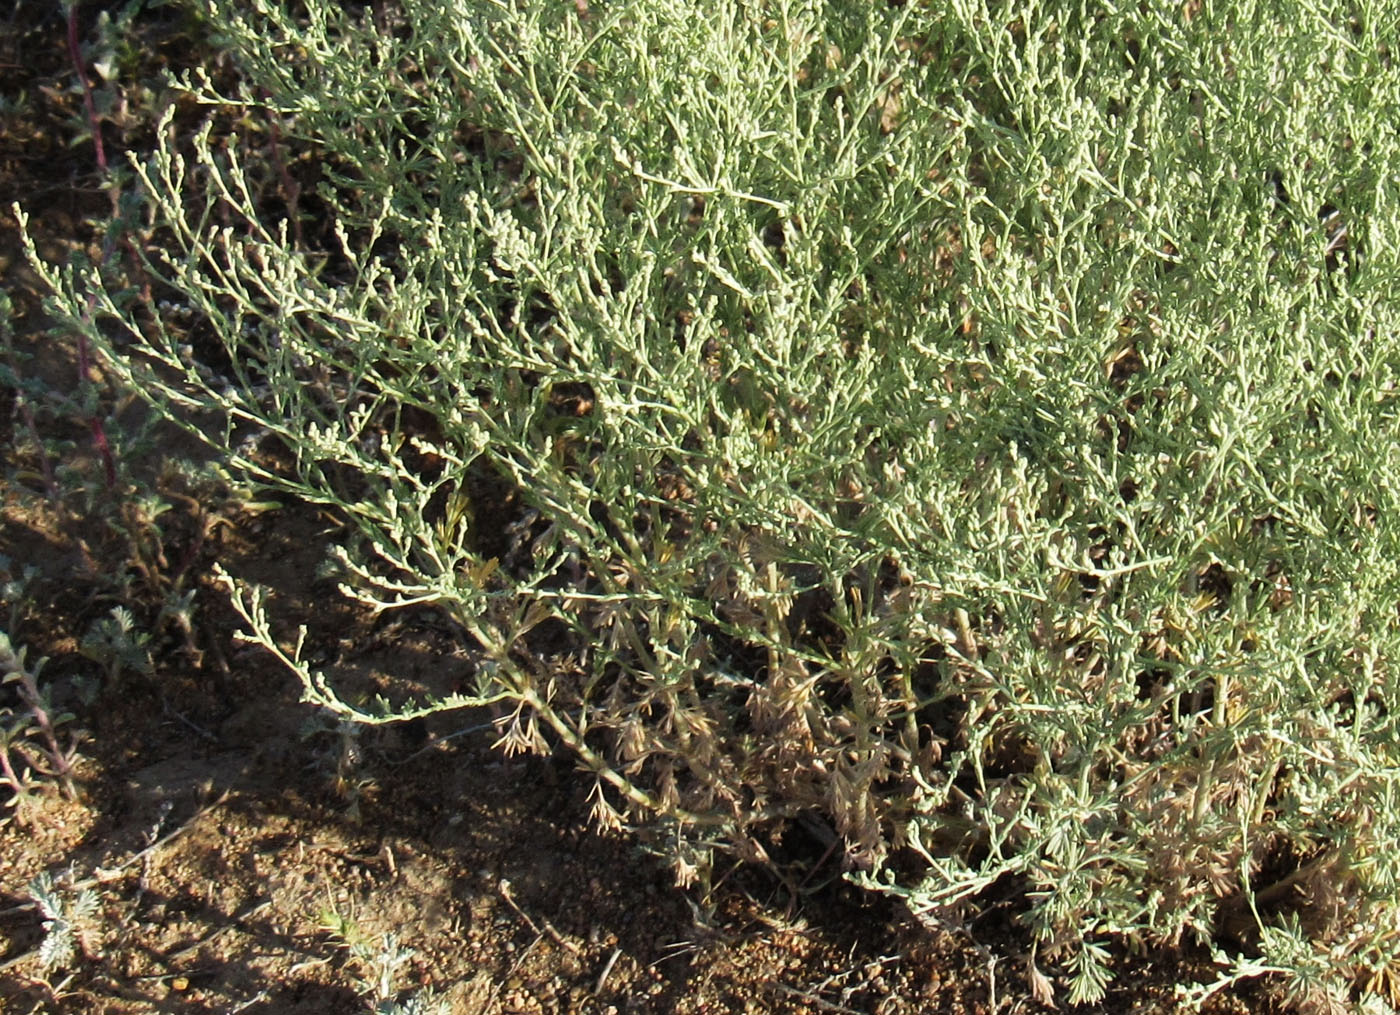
343	755
374	965
116	643
69	921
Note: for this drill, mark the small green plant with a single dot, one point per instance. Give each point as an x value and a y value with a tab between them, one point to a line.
375	966
343	755
69	922
116	643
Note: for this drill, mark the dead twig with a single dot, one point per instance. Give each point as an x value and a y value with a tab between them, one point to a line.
555	936
814	1000
607	968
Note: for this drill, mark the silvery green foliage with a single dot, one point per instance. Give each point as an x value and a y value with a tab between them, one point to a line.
375	965
118	644
67	916
975	423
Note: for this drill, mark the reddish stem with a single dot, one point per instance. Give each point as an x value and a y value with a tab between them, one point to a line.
76	54
8	770
99	433
29	694
99	441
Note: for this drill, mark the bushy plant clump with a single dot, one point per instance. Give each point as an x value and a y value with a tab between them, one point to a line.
970	424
